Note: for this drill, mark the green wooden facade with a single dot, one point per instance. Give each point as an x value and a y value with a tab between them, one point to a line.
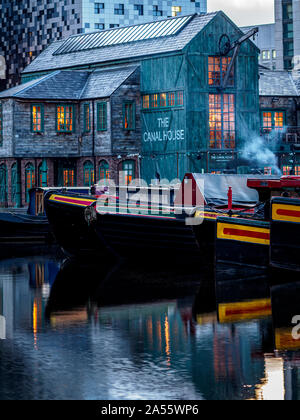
187	71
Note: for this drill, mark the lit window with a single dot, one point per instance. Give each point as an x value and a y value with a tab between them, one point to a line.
273	120
154	100
176	10
286	170
171	99
222	121
103	170
163	100
129	116
217	69
69	177
146	101
65	118
37	118
128	168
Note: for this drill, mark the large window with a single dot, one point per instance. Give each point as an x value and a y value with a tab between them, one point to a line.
272	120
65	118
129	115
222	121
102	116
37	118
217	68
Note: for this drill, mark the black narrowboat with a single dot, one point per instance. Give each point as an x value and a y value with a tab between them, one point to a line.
285	234
246	238
22	229
146	230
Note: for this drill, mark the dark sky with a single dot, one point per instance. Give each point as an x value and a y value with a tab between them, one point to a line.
245	12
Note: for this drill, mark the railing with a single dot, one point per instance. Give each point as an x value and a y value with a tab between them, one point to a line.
287	135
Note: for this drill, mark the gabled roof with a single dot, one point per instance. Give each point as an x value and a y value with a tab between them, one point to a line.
276	83
72	85
56	56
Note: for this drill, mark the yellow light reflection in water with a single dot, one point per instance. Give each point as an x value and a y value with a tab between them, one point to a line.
35	323
167	337
273	385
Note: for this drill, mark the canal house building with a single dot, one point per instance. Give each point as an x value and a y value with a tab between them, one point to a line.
147	100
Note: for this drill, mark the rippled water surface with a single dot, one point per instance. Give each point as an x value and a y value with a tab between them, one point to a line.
70	331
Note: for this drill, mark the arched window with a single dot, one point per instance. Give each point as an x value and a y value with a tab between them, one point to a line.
128	169
103	170
29	179
88	174
3	185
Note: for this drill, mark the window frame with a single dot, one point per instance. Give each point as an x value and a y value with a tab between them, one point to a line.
231	77
73	118
133	104
273	112
222	140
42	118
177	104
86	106
104	105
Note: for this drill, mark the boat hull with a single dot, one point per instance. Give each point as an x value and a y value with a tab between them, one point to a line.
242	242
285	234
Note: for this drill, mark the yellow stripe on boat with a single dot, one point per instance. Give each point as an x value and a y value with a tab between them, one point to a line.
243	311
83	202
243	233
286	213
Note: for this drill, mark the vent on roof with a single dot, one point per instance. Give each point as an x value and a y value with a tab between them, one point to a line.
124	35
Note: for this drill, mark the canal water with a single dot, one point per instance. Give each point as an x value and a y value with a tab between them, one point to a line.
111	331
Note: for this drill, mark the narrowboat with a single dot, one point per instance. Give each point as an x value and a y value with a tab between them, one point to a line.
285	234
21	229
143	229
245	239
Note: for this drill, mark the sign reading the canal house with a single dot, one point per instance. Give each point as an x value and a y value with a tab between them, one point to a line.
163	132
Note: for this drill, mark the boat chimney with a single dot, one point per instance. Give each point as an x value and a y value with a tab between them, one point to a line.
230	198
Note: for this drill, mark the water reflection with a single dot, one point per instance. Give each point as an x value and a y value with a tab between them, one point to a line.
118	332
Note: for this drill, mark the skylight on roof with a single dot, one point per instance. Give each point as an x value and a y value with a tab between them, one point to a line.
124	35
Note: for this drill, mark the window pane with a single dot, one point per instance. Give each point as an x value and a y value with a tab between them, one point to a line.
221	121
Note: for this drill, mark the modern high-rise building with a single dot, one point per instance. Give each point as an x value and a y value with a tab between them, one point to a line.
28	26
287	33
265	41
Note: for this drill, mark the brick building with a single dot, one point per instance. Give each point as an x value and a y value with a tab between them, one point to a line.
69	128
